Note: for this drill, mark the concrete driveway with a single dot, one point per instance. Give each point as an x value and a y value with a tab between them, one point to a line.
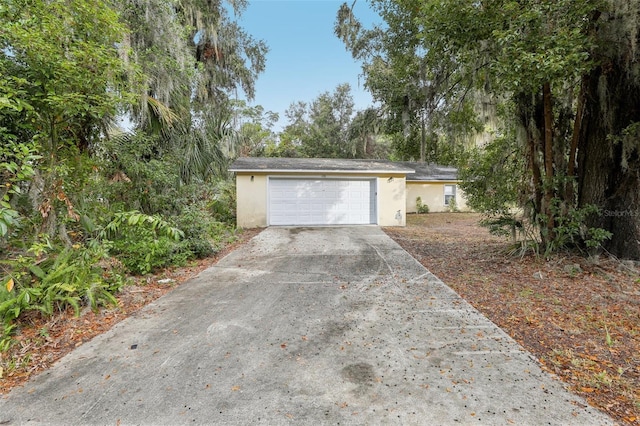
303	326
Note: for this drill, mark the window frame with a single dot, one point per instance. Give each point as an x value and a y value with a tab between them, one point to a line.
447	201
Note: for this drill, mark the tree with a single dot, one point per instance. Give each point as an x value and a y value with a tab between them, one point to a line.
321	129
65	78
415	93
572	87
192	53
608	135
330	115
364	135
566	76
254	126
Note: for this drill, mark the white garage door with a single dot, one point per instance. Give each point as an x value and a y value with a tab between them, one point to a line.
321	201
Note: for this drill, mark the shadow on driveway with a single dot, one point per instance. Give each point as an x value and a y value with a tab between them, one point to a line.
335	325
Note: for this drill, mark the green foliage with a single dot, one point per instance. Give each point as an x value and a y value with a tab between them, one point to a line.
503	225
222	204
198	227
320	129
123	221
141	252
255	129
493	177
67	66
421	208
65	81
67	70
453	206
46	281
16	170
200	58
571	230
138	172
143	243
424	112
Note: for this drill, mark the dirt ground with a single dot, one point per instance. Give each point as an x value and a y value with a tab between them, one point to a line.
579	316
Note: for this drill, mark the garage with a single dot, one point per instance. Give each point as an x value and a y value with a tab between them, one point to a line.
315	201
319	192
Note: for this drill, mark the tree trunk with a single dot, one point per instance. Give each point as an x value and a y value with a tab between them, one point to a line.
570	187
531	118
548	163
423	138
609	169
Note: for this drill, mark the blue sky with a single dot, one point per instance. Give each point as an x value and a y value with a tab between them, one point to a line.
305	58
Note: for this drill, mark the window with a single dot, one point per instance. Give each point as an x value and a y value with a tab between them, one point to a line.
449	195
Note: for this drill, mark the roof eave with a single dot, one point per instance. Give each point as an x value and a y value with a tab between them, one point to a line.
434	180
310	171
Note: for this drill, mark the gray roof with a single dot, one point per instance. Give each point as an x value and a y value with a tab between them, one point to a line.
430	171
416	171
280	164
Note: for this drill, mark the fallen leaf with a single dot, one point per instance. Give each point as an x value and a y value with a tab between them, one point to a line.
235	388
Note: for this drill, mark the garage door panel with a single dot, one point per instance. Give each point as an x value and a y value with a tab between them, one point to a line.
321	201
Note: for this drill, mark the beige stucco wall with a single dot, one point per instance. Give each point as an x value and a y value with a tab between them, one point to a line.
392	200
432	194
251	198
251	201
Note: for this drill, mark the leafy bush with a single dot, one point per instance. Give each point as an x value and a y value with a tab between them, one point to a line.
453	206
571	231
223	203
421	208
198	248
46	282
143	243
136	178
203	233
16	168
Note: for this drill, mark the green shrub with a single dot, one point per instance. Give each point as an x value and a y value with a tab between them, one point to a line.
143	243
421	208
223	203
571	229
199	248
453	206
141	252
47	281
